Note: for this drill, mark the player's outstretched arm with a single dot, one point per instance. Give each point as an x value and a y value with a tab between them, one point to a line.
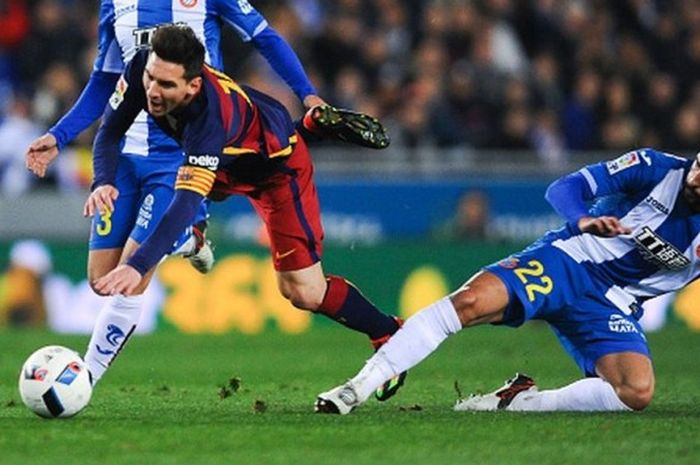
89	106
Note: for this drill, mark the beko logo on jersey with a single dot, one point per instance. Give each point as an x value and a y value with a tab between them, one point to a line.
658	205
656	250
210	162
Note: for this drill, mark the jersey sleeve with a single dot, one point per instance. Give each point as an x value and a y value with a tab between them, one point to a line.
109	56
252	26
127	100
203	142
241	15
630	173
89	106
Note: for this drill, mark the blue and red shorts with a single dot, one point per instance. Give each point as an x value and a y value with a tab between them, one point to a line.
287	203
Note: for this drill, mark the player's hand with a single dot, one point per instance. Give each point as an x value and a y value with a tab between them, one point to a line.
40	154
311	101
101	200
603	226
121	280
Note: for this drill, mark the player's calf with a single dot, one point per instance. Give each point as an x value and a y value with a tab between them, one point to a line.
631	374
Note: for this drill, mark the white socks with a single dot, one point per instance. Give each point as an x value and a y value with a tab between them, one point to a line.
585	395
417	338
115	323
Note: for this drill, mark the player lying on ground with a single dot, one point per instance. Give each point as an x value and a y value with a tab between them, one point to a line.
587	280
236	141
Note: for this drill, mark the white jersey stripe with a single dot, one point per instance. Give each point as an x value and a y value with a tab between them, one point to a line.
194	16
590	179
590	248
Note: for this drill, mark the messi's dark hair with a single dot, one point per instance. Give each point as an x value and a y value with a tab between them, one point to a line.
178	44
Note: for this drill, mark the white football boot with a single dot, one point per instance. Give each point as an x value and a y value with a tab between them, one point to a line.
501	398
339	400
202	255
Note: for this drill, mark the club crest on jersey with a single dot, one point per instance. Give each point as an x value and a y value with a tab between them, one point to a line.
655	249
210	162
118	96
188	3
509	263
622	163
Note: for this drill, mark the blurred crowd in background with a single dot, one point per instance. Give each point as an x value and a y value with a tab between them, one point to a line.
550	76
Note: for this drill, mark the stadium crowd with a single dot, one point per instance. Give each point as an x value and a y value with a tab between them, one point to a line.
551	76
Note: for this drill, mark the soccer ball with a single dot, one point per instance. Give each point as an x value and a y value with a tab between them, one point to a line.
55	383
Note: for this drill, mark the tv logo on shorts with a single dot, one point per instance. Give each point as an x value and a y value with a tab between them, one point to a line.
620	324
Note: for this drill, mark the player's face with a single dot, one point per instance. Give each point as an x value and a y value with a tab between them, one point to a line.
692	184
166	87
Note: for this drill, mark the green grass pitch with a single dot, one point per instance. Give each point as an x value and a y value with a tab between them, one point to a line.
161	404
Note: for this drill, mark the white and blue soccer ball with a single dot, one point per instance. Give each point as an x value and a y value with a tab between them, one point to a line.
55	383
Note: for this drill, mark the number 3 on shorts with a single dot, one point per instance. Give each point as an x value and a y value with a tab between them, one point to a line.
106	226
534	272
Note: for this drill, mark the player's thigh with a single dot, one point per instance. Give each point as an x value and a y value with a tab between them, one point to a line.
538	281
110	230
102	261
482	299
291	213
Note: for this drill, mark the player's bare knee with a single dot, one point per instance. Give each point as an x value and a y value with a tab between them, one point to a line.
465	302
636	396
303	297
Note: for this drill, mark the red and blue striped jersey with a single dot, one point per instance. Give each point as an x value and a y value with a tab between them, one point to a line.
226	127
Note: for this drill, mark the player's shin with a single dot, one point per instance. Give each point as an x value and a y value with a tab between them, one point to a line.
585	395
419	337
345	304
115	324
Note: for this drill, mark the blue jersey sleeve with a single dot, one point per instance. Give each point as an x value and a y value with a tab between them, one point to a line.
284	61
241	15
631	173
109	56
127	100
252	26
87	109
569	196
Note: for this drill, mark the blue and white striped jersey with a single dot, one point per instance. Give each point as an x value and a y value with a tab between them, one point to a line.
643	189
126	25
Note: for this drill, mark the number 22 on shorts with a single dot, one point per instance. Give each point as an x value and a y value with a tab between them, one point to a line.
534	279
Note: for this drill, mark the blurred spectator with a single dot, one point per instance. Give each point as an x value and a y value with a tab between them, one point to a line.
52	38
580	117
555	76
22	302
16	130
14	25
470	221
